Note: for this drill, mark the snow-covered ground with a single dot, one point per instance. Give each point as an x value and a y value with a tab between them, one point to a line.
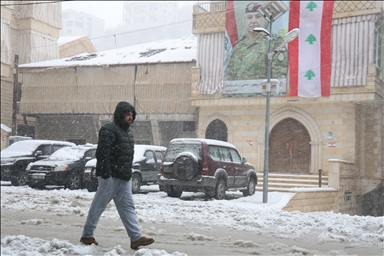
237	213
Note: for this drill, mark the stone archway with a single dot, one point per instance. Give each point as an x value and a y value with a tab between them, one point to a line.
229	129
289	148
217	130
309	124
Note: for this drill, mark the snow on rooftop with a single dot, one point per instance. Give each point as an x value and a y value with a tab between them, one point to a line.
166	51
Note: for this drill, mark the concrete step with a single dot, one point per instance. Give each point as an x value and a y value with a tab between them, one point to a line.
298	181
273	189
284	182
293	176
290	185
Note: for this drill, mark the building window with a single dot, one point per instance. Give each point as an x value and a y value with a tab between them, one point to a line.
377	49
217	130
347	196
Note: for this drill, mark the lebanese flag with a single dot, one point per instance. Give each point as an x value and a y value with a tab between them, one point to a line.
231	35
230	23
310	56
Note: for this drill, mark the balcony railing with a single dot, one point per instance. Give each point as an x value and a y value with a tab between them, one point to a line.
353	6
209	17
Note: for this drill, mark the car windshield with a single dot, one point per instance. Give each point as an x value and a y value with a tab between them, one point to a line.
176	148
20	148
68	153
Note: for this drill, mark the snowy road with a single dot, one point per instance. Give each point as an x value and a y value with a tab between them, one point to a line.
49	222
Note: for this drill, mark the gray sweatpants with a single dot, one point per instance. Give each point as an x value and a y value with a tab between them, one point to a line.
121	193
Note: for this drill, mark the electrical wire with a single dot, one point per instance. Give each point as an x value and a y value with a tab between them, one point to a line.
34	3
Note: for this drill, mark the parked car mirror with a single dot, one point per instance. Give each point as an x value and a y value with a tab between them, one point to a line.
243	160
38	153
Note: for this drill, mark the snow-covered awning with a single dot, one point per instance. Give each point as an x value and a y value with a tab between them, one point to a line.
163	51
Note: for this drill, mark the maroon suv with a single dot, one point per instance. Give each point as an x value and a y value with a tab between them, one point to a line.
203	165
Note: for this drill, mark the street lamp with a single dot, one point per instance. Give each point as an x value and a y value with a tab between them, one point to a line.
271	10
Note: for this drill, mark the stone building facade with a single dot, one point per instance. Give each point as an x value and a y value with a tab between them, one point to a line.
342	134
31	31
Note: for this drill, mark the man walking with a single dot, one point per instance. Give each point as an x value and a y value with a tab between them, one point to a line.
114	155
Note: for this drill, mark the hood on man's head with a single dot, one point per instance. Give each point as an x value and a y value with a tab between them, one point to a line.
122	108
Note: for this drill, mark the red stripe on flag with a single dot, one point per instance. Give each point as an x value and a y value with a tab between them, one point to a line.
230	22
326	57
293	48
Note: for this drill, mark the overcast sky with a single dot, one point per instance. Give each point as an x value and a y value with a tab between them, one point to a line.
110	11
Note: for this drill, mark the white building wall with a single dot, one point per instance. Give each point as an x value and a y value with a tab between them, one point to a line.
79	23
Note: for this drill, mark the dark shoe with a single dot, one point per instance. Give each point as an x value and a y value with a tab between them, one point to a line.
142	242
88	241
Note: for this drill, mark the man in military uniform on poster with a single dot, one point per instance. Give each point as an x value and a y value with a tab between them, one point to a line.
249	59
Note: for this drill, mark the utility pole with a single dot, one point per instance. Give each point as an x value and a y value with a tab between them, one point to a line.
15	93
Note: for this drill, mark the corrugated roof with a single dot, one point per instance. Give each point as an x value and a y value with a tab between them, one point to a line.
66	39
166	51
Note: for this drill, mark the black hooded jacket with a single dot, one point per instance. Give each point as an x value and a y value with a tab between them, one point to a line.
115	148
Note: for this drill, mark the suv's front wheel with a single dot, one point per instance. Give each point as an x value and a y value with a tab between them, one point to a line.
220	189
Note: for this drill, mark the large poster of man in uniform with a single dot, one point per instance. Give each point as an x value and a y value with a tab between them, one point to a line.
246	59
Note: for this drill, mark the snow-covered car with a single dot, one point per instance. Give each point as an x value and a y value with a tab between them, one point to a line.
145	168
204	165
63	168
16	157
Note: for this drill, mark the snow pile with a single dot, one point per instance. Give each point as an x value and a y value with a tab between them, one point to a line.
237	213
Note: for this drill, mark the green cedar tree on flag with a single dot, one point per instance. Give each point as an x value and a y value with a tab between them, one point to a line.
310	57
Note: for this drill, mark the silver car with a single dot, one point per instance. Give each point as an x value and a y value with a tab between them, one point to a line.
145	168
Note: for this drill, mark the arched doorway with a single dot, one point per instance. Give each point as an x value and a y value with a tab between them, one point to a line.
217	130
289	148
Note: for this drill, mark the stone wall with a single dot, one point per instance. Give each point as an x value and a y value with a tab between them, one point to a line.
245	120
369	141
313	201
351	185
